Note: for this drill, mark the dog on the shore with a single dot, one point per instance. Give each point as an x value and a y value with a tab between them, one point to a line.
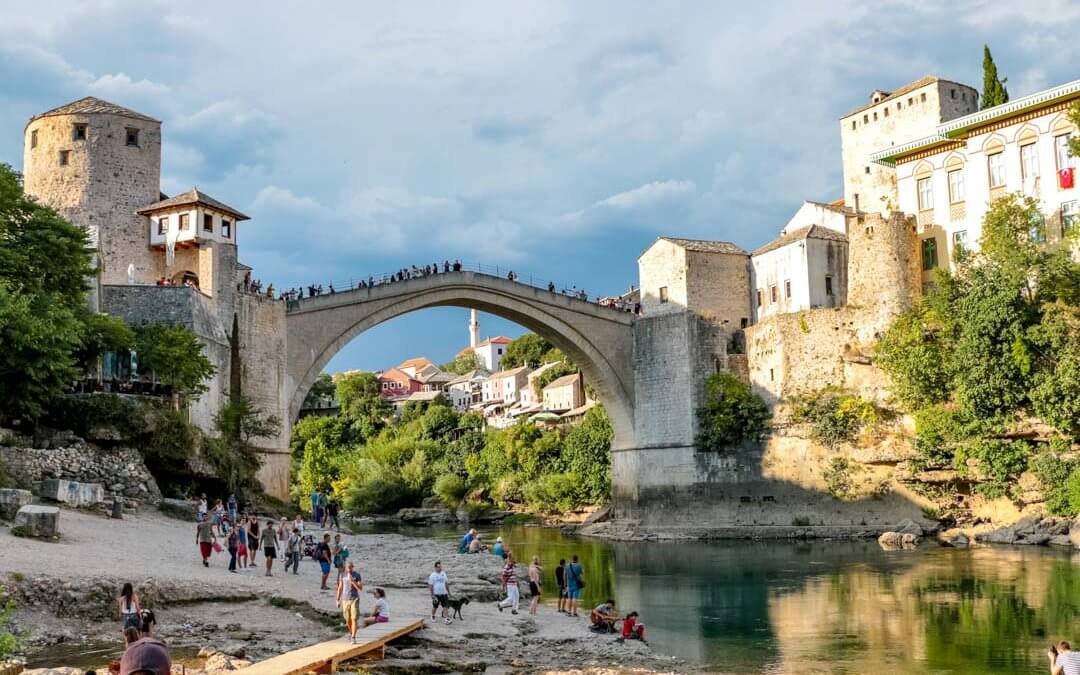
455	605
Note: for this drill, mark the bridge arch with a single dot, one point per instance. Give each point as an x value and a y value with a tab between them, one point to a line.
598	339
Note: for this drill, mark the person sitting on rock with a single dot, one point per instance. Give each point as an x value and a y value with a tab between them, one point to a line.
632	629
498	549
381	612
476	546
604	616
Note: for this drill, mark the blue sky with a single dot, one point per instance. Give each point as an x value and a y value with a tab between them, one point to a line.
558	138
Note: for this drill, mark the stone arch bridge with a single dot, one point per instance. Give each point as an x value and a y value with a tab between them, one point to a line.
600	340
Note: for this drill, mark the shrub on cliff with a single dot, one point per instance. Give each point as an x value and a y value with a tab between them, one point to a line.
732	413
834	416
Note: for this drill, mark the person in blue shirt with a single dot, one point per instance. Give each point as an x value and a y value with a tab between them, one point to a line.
233	506
463	547
498	549
575	581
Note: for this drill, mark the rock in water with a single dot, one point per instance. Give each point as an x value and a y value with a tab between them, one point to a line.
37	521
11	500
909	526
891	541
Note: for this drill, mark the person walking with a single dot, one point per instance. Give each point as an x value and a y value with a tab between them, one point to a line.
253	539
232	543
535	575
200	509
298	523
510	585
560	581
324	501
333	508
575	581
349	586
315	505
242	542
269	543
337	551
292	551
439	587
127	607
324	555
205	538
233	507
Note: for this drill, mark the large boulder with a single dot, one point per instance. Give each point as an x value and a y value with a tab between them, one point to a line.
1004	535
37	521
11	500
909	526
426	516
72	492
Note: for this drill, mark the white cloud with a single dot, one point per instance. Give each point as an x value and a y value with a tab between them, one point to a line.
649	194
122	86
229	112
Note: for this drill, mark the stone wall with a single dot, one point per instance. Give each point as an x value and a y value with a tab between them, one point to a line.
663	265
102	186
263	351
120	469
718	287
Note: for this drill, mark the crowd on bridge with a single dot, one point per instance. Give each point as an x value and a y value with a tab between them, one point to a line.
427	270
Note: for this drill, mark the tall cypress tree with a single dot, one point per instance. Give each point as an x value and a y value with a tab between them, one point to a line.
994	91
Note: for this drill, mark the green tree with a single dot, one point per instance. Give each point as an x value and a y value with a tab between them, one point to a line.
527	350
994	91
233	454
466	361
360	400
103	333
587	454
323	389
44	263
732	413
174	354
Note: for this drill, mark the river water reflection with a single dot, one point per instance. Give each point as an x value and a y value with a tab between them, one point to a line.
828	607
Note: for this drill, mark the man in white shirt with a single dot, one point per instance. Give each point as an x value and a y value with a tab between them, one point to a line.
439	587
1064	661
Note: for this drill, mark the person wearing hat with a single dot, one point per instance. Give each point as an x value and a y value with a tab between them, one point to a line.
147	656
498	549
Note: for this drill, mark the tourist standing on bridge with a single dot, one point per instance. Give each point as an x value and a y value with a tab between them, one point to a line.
349	586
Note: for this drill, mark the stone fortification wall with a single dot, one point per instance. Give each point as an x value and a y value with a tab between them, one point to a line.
263	354
104	182
718	287
116	469
884	271
143	305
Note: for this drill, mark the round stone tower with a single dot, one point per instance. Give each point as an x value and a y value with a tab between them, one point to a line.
97	163
884	277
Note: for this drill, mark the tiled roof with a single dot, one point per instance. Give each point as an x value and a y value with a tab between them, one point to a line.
907	88
90	105
808	232
418	362
705	246
508	373
192	196
468	377
563	381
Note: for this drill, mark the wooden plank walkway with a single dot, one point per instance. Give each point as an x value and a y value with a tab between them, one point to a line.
324	657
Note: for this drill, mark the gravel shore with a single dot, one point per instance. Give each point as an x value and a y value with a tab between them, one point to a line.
211	608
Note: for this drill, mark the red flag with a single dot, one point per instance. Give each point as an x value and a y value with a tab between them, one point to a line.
1066	178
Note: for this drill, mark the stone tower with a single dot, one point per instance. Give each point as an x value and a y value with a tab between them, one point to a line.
893	118
884	276
96	163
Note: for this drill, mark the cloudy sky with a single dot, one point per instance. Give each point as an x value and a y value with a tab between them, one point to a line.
557	138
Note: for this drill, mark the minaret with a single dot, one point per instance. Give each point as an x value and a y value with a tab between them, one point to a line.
474	328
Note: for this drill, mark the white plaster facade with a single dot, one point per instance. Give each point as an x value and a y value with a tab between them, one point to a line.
950	178
891	118
490	352
804	268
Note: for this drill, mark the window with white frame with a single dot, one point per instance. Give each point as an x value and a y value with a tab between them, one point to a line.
995	164
1061	151
959	244
1070	216
956	186
1029	161
926	194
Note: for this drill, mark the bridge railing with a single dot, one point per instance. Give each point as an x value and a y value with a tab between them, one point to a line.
416	272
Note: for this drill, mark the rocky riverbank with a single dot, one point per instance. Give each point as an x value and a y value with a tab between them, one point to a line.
65	590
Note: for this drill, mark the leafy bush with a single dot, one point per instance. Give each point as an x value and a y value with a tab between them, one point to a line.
1054	473
171	444
174	354
9	642
834	417
1072	491
732	413
838	478
451	489
373	487
1001	461
554	493
587	455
